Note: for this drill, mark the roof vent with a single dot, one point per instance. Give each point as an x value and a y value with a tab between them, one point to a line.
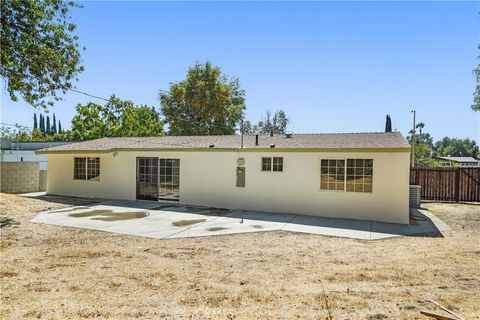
271	132
272	145
288	135
211	146
256	139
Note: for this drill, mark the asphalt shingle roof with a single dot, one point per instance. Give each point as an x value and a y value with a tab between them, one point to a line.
459	159
322	140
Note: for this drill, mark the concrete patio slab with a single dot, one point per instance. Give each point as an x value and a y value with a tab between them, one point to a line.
330	227
230	225
167	221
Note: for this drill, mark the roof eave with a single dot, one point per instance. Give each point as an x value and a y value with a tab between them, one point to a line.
375	149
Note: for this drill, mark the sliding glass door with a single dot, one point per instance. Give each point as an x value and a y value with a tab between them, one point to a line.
158	179
147	178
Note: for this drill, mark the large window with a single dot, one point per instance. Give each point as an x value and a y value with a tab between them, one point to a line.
359	175
272	164
332	175
350	175
86	169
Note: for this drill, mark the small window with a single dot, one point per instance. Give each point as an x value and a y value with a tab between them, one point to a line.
277	164
266	164
332	174
86	169
272	164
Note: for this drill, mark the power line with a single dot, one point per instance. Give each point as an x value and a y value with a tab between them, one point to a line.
88	94
14	125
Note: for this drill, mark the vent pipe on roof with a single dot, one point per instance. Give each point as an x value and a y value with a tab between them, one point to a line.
272	146
241	133
288	135
271	132
256	139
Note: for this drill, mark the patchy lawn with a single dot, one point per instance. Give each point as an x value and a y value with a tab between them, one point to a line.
57	273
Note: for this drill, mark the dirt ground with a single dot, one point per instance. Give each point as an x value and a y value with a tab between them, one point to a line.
53	272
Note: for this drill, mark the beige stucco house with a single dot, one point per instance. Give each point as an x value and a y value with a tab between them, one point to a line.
351	175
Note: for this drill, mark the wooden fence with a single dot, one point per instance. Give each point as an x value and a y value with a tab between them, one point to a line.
447	184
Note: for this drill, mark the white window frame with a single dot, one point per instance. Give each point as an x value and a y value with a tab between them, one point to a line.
271	164
345	174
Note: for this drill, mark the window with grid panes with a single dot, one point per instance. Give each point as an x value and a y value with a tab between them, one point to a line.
86	169
93	168
266	164
332	174
272	164
79	168
277	164
359	175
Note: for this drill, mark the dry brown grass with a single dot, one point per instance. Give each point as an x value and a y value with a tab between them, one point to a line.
53	272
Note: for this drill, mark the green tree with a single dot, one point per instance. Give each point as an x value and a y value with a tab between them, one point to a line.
117	118
35	123
42	123
54	125
40	53
388	124
423	156
248	128
420	127
47	126
18	133
205	103
277	123
423	147
60	127
456	148
37	135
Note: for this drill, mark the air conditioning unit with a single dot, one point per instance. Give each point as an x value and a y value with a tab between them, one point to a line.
415	194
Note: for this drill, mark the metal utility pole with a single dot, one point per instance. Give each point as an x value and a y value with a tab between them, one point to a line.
413	140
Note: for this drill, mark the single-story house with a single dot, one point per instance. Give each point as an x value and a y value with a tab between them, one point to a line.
462	162
342	175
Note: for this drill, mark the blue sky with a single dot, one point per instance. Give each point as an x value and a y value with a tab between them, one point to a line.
332	66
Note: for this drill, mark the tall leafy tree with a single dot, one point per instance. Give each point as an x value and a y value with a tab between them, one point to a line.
420	127
116	118
248	128
205	103
276	123
60	127
47	126
423	147
54	125
42	123
388	124
35	123
40	53
456	148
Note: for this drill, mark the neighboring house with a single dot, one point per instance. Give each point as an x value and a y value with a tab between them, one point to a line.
351	175
463	162
25	151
